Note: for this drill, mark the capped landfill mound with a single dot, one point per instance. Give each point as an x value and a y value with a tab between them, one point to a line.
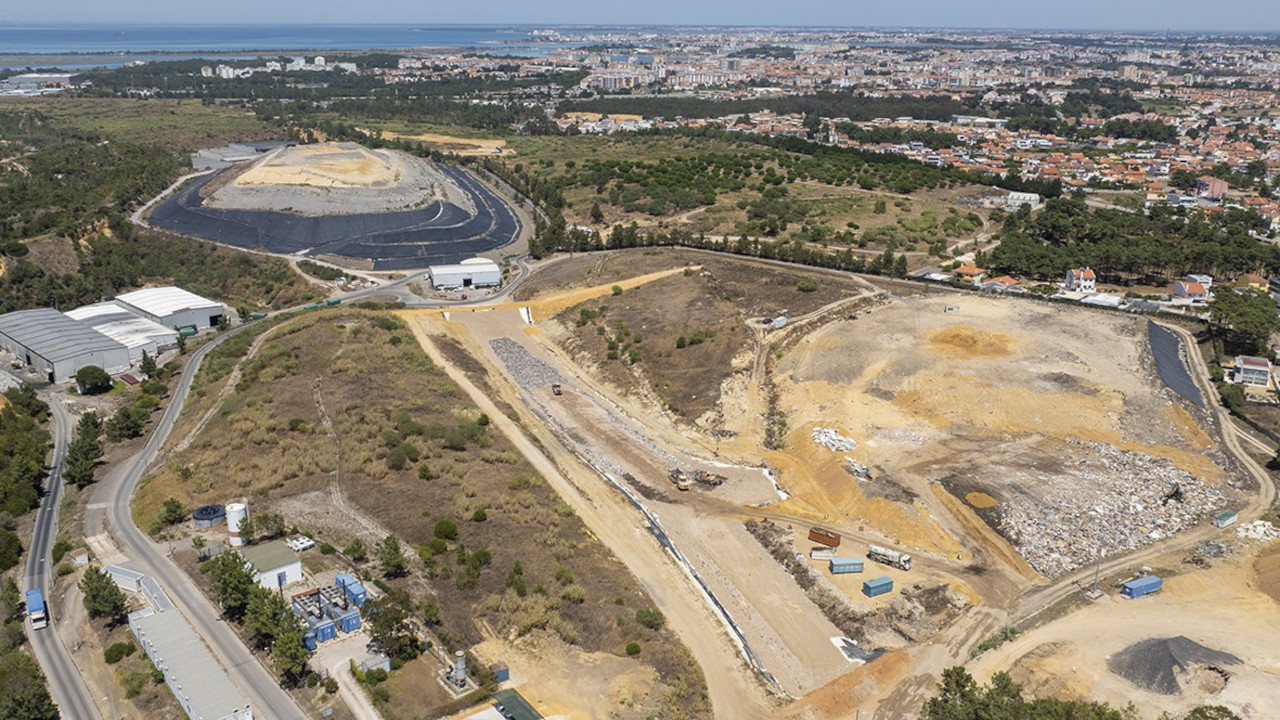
1157	664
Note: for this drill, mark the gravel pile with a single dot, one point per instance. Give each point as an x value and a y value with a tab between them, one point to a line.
527	370
1155	664
1258	530
1125	500
1213	549
831	439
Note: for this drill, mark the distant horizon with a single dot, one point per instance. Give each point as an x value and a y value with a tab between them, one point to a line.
638	25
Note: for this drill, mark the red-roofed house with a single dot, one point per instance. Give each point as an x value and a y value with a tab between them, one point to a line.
969	274
1193	291
1211	187
1082	280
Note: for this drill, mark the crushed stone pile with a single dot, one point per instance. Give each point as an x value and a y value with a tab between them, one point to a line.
831	439
1155	664
1120	499
527	370
1258	530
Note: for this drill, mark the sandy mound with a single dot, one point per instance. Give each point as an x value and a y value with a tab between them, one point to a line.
337	179
963	341
1163	665
1267	566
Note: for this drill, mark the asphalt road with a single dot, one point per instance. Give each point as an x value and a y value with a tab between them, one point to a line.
110	504
67	685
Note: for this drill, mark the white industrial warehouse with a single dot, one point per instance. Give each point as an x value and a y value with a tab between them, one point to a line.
172	307
475	272
57	346
197	681
111	335
133	331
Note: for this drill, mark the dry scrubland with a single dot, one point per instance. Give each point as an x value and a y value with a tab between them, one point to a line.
712	306
387	402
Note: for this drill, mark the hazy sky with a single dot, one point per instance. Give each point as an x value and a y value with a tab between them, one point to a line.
1253	15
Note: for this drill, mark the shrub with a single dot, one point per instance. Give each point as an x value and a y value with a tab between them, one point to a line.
436	546
446	529
479	515
93	380
60	549
806	286
426	473
650	618
681	342
297	424
575	594
327	549
118	652
10	548
633	649
356	551
616	290
330	686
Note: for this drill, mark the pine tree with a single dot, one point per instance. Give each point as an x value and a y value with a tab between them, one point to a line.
101	596
148	365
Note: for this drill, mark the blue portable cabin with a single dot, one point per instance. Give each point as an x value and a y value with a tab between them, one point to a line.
309	640
840	566
1137	587
877	586
352	587
347	622
325	630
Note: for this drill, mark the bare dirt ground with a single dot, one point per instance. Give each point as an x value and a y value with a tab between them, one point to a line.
456	145
1223	608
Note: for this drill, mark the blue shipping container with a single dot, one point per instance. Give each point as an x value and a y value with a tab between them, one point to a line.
348	623
877	586
309	640
352	587
325	630
839	566
1138	587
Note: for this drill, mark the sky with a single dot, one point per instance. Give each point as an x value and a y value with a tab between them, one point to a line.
1158	15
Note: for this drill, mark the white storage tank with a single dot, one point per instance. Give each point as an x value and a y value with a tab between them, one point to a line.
236	513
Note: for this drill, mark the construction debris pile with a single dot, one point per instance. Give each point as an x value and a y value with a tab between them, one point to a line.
527	370
1119	500
1258	530
832	440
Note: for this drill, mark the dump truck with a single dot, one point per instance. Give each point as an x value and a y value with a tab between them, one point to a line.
885	556
36	611
556	389
827	537
707	478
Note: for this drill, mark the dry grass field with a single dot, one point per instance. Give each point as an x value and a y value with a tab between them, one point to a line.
406	450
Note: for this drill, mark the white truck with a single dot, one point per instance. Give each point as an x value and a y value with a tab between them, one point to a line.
885	556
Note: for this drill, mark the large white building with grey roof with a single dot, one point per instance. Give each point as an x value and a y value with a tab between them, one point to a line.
57	346
173	307
195	677
134	331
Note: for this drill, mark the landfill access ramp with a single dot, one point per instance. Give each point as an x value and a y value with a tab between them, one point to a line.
440	232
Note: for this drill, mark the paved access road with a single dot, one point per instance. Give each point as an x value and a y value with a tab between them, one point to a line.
110	505
67	685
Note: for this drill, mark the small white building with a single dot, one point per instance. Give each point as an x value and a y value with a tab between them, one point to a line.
124	578
1082	280
1017	199
173	307
1250	370
273	564
472	273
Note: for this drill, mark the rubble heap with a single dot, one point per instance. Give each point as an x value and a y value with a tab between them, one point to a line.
1258	530
832	440
1121	500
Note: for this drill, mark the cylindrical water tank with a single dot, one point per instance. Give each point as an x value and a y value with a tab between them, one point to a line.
460	668
209	515
236	513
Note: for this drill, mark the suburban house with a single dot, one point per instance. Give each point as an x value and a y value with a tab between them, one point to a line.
1211	187
970	274
1017	199
1205	280
1192	291
1250	281
1004	283
1252	370
1082	280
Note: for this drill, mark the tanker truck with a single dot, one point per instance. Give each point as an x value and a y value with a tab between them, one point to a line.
902	561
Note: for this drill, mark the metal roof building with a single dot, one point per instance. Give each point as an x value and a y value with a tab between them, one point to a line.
274	564
512	705
475	272
198	682
58	346
133	331
172	307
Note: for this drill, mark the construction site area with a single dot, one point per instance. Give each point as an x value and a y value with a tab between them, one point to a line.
972	457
